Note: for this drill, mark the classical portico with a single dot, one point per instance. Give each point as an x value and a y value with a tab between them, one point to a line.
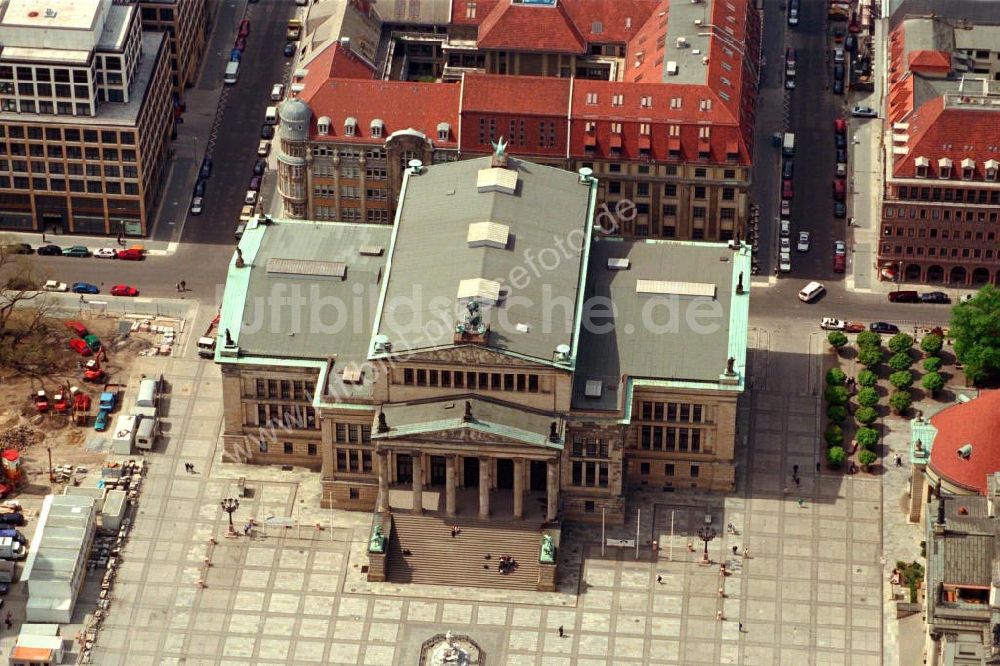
472	457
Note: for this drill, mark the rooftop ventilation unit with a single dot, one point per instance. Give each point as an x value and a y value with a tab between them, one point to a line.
671	288
586	175
488	234
965	452
50	13
682	42
671	68
618	264
523	328
415	166
371	250
480	290
593	388
496	179
562	354
353	374
305	267
382	343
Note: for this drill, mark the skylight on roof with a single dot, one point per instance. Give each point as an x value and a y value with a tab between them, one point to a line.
496	180
303	267
488	234
484	291
672	288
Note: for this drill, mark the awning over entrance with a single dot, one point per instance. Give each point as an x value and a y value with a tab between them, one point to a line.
468	419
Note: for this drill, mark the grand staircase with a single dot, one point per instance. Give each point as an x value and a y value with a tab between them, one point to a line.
435	558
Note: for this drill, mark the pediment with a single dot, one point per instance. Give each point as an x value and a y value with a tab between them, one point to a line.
473	434
466	355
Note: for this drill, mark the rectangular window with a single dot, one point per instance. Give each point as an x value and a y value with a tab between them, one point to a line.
694	471
668	469
311	449
288	448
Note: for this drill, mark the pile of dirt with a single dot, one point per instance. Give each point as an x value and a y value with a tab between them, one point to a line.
20	437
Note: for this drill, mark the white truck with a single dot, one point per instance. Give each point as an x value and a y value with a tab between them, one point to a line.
788	144
11	549
232	73
123	436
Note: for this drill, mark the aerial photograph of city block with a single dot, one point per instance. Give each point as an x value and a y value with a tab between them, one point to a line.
500	332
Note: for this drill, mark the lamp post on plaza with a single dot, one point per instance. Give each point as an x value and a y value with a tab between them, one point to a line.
706	534
230	505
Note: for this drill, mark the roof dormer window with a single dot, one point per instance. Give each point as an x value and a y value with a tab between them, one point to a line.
922	164
991	168
968	168
944	168
443	131
350	127
323	125
376	128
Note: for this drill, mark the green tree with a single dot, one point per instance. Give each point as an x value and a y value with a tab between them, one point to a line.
902	379
867	438
931	344
835	395
868	397
869	339
834	435
836	413
900	342
865	415
932	364
933	382
836	456
900	361
975	328
867	457
867	378
900	401
835	377
870	357
836	339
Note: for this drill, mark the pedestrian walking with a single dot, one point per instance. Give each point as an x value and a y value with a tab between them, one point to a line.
561	633
899	461
817	467
795	470
8	622
802	503
659	579
735	548
741	627
746	553
184	285
178	287
43	238
797	482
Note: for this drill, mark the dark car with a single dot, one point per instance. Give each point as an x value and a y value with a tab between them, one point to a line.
199	188
838	71
935	297
206	168
904	297
787	168
267	131
289	50
17	248
842	155
84	288
840	141
839	209
259	167
838	87
883	327
12	519
255	184
50	251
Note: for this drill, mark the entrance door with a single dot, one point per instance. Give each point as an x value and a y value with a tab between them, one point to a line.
539	478
438	471
470	472
505	473
404	468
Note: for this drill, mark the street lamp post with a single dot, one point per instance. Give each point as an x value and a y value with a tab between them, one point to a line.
230	505
706	534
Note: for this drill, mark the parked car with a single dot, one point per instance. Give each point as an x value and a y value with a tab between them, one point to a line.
50	251
101	422
250	198
196	205
240	228
244	28
15	518
263	148
277	92
832	324
787	168
840	140
904	296
267	131
840	126
803	244
854	327
838	86
199	188
76	251
17	248
206	168
839	248
838	54
864	112
789	83
54	285
840	171
240	44
785	262
786	188
839	263
259	167
883	327
790	54
839	209
131	254
255	183
106	253
786	208
839	189
77	327
785	245
289	49
842	155
124	290
785	228
838	71
935	297
79	346
84	288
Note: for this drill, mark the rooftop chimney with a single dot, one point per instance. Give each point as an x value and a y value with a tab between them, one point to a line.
383	426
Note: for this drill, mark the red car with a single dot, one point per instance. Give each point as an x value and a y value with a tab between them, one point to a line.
77	328
839	190
840	126
131	254
124	290
240	44
79	346
839	263
244	27
786	188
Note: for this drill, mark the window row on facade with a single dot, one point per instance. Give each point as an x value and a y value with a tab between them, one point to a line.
289	448
358	461
941	252
670	470
487	381
672	411
937	232
67	134
71	185
282	389
286	417
663	438
947	194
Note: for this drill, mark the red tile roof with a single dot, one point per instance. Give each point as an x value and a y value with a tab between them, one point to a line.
534	95
937	130
460	11
399	104
333	62
933	61
539	28
619	20
976	422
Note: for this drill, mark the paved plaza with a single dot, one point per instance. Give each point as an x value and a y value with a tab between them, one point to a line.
809	593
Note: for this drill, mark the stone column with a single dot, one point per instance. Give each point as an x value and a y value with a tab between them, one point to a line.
450	482
383	482
484	487
519	487
552	489
418	482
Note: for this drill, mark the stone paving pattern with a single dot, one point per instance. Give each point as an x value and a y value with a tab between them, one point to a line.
810	592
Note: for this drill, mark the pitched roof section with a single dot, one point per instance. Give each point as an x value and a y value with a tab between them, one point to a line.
401	105
610	21
515	95
945	128
334	62
531	27
977	423
927	60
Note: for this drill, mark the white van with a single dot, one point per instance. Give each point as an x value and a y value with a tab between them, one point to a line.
271	115
811	292
146	433
232	73
278	91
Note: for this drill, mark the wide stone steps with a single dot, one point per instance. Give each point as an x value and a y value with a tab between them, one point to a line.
435	558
